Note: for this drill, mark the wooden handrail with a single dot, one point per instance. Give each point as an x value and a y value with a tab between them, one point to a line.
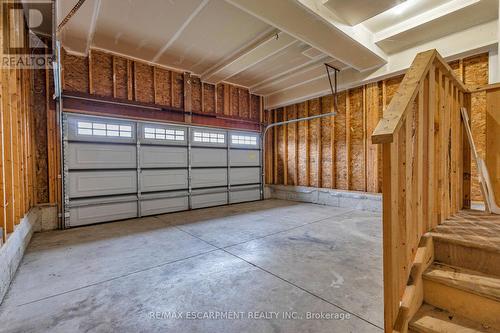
408	89
426	177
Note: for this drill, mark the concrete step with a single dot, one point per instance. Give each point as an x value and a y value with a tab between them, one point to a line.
470	294
474	252
430	319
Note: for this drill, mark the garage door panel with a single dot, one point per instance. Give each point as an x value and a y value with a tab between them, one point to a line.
207	157
240	176
244	140
164	205
163	134
120	168
163	157
101	156
163	180
95	129
208	177
243	157
209	200
99	183
208	137
244	193
102	213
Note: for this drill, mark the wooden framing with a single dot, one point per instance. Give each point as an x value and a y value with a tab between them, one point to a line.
362	107
16	144
410	148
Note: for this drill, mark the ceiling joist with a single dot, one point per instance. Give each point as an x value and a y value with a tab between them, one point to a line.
419	20
301	21
249	56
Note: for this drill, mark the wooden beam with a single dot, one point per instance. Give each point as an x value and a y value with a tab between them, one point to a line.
285	147
348	138
155	86
296	175
332	145
8	162
134	71
319	147
466	159
130	81
275	148
187	90
226	102
172	104
308	147
430	188
365	138
114	76
91	79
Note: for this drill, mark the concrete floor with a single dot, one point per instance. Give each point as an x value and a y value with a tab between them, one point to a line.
255	263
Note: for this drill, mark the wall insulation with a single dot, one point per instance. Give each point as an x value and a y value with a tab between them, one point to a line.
338	153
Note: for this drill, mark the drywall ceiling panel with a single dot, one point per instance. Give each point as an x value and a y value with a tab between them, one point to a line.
356	11
290	57
75	34
481	12
218	30
400	13
140	28
299	77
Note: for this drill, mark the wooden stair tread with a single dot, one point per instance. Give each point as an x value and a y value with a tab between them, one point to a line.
430	319
468	280
474	241
471	229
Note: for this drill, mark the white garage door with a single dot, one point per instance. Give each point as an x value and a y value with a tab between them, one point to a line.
118	169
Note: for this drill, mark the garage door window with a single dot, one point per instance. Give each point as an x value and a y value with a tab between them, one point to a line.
244	140
199	136
163	134
103	129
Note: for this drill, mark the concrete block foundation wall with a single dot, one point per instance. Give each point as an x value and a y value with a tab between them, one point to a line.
325	196
39	218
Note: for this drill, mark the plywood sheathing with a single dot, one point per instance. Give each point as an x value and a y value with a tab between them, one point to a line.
357	138
340	143
196	92
76	71
255	107
303	133
279	135
120	78
208	98
109	75
163	87
327	147
339	154
143	83
314	143
476	73
102	73
291	144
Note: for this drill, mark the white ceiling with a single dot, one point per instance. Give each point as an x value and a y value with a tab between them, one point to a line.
398	14
268	46
357	11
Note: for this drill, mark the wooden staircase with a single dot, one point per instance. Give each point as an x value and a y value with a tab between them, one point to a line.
461	288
